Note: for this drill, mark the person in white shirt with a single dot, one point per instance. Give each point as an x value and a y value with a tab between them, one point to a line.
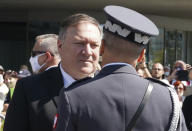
3	92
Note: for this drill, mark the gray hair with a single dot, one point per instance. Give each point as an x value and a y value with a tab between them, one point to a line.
49	43
74	20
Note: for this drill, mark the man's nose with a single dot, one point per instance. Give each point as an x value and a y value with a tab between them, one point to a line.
87	50
8	80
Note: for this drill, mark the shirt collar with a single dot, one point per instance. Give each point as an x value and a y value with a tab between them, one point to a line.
67	79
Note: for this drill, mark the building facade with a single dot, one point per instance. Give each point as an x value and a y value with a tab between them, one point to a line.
19	27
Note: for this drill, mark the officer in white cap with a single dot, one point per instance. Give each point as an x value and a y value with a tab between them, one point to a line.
118	99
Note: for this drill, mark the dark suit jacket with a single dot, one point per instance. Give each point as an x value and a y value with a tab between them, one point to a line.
34	103
109	101
187	111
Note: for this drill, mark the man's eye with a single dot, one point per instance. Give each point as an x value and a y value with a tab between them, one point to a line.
79	44
95	45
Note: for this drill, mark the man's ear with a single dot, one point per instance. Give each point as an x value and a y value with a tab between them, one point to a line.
102	47
59	44
141	56
49	56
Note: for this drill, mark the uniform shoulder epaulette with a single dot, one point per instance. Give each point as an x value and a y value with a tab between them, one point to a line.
176	116
157	81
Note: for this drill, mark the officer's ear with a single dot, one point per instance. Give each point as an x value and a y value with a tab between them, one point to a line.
102	47
141	56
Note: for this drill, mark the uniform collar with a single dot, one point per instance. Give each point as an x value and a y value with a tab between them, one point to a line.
113	68
116	63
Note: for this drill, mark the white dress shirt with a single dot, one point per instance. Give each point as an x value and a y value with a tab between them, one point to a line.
67	79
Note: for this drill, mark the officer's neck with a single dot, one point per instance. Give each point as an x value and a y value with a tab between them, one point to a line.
110	58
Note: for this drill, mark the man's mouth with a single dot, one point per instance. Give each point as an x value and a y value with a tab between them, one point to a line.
86	61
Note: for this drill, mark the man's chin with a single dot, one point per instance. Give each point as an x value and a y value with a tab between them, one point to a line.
87	71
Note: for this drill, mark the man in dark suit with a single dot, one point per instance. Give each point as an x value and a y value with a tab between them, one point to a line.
44	56
35	100
187	111
118	99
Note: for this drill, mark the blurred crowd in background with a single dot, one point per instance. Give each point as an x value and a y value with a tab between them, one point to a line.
179	76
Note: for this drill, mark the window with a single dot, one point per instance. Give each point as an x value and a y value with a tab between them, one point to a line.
189	48
170	46
12	44
181	45
156	48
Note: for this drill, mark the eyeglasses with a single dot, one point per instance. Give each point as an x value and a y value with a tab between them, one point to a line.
34	53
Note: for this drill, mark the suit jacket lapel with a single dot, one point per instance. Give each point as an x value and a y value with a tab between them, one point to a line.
54	84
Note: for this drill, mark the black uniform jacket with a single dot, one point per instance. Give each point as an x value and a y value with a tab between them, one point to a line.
187	111
109	100
34	103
